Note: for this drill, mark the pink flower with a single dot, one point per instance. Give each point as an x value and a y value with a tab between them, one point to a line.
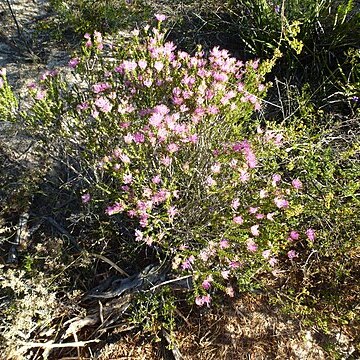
255	230
210	181
297	184
103	104
207	299
234	264
266	254
172	211
224	244
139	235
114	209
128	138
160	17
156	119
259	216
292	254
83	106
238	220
206	284
100	87
74	62
253	210
244	176
144	220
263	194
142	64
187	264
216	168
270	216
139	138
281	202
166	160
156	179
225	274
272	261
294	235
158	66
235	203
40	95
85	198
172	148
251	245
124	158
310	233
230	291
129	65
199	301
128	178
275	179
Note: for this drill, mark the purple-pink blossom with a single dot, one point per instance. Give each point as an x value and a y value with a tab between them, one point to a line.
310	233
294	235
255	230
100	87
160	17
275	179
103	104
297	184
74	62
114	209
238	220
224	244
281	203
235	203
230	291
292	254
251	245
172	211
85	198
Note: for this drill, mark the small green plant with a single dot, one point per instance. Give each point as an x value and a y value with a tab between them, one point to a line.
107	16
8	101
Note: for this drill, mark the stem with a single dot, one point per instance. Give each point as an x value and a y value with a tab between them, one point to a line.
14	17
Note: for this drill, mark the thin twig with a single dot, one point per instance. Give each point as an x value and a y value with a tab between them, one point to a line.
111	263
49	345
170	281
14	18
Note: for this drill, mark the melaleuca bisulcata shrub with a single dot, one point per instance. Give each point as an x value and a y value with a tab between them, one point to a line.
175	159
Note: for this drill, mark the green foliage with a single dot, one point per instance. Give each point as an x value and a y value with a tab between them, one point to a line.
8	101
154	311
81	16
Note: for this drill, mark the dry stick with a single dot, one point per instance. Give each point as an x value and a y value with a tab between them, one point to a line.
49	345
14	17
111	263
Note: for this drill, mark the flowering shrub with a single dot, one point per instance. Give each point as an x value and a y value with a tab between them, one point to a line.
168	136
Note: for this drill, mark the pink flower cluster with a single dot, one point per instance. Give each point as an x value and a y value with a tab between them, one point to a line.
171	145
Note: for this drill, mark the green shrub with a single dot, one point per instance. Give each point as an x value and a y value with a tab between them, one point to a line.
108	16
8	101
